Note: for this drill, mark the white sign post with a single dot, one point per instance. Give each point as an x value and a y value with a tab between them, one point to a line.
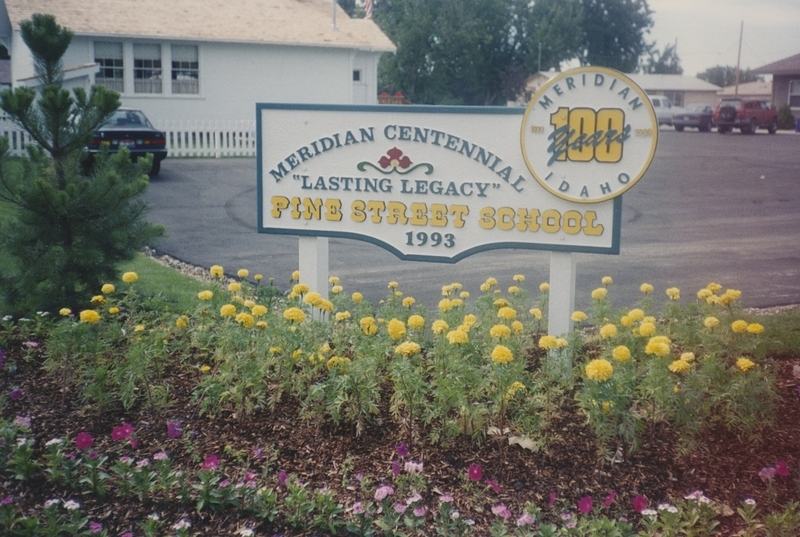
439	184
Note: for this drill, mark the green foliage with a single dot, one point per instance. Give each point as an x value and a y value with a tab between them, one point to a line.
725	75
667	62
785	118
69	232
613	33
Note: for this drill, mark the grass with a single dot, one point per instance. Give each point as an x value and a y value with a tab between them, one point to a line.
164	286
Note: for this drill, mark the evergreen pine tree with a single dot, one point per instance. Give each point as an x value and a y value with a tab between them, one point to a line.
67	232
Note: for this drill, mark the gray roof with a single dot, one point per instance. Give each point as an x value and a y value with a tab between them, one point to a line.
291	22
786	66
650	82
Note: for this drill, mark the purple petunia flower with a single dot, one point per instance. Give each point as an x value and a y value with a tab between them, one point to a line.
585	505
16	393
396	467
552	501
211	462
282	477
383	491
402	449
95	527
475	472
174	429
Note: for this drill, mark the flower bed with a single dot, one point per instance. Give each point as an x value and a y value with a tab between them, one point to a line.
263	412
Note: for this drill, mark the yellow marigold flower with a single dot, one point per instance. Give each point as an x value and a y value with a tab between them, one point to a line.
261	325
243	273
658	348
234	287
274	350
513	290
515	387
647	329
606	406
182	321
113	311
457	337
491	281
548	342
621	353
544	287
205	369
408	301
518	278
754	328
456	286
739	326
646	288
607	280
89	317
626	321
65	312
357	297
258	277
599	369
249	304
485	287
396	329
245	319
205	295
325	305
296	275
238	299
393	285
407	348
676	389
711	322
258	310
456	303
578	316
300	289
338	362
336	289
636	314
98	299
679	366
446	290
608	331
703	294
139	328
470	320
714	287
516	327
536	312
500	303
445	304
502	354
499	331
342	315
228	310
216	271
297	353
107	289
416	322
673	293
368	326
509	314
599	293
295	315
464	294
687	357
398	294
313	298
439	326
130	277
649	319
744	364
562	342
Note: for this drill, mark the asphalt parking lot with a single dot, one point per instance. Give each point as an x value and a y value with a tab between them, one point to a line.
722	208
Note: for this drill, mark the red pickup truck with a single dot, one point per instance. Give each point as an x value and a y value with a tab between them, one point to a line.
746	115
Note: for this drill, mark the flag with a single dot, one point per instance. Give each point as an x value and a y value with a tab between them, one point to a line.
367	9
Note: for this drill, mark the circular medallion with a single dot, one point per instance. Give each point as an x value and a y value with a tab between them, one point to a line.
589	134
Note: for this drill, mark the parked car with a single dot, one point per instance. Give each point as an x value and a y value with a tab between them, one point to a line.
696	116
130	128
745	114
663	108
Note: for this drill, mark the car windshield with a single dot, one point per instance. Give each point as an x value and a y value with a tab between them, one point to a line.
735	103
127	118
696	108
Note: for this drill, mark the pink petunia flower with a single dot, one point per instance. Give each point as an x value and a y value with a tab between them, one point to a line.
211	462
475	472
767	473
610	499
501	510
83	441
494	485
552	501
585	505
639	503
781	468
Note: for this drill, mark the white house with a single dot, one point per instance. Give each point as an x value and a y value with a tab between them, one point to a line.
681	90
206	59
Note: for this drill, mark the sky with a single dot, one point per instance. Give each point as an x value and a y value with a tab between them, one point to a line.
707	31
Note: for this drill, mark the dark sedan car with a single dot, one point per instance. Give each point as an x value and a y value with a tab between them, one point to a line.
697	116
130	128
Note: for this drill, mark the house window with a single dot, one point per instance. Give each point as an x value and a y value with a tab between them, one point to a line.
676	97
357	75
146	68
185	69
109	57
794	93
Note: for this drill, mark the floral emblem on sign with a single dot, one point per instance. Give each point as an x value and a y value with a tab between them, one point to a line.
394	161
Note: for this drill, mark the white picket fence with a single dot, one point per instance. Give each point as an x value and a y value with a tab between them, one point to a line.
208	139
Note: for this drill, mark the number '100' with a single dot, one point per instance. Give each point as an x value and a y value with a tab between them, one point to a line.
595	135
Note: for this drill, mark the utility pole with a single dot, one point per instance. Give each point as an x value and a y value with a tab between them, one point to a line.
540	56
739	60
